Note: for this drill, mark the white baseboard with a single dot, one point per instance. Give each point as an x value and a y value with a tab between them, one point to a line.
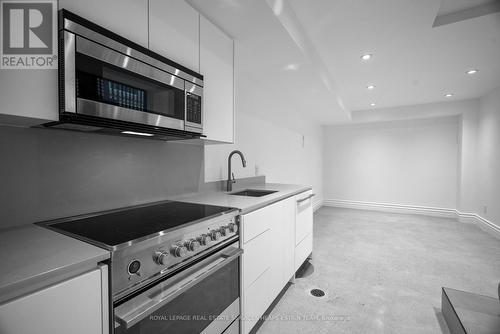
464	217
483	223
395	208
318	203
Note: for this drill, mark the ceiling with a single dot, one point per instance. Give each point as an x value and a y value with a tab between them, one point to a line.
307	53
274	77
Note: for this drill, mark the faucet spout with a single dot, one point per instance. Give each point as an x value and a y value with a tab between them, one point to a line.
231	180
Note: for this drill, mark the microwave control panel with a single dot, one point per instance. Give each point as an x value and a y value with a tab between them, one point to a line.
193	108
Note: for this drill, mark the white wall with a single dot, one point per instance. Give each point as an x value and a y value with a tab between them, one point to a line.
273	129
467	171
272	150
50	174
419	111
411	162
488	157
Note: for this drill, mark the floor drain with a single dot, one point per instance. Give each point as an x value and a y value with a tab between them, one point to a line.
317	293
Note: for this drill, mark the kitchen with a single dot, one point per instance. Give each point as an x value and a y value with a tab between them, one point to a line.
162	220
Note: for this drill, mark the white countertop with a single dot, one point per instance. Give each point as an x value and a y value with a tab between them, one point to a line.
31	256
245	203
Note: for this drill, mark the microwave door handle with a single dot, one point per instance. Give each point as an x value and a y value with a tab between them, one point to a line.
132	317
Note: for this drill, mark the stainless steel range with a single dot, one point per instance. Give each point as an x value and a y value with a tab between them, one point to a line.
174	265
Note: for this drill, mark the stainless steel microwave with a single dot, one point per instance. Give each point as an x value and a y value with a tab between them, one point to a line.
112	85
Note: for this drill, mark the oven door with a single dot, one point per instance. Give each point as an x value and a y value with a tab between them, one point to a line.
201	299
102	82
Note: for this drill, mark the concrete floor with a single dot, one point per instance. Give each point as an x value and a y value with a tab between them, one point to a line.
383	273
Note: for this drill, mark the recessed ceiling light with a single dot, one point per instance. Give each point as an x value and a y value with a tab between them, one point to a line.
373	104
370	87
449	95
291	67
472	71
367	56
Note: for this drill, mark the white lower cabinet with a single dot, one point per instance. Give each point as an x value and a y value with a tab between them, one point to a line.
303	250
254	253
256	301
281	248
304	216
78	305
303	227
268	260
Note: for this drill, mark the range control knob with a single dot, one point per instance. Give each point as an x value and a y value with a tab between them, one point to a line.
233	228
192	245
214	235
224	230
204	239
133	267
178	250
161	257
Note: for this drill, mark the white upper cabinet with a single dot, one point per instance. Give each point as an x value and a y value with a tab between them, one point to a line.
216	65
171	28
127	18
29	97
174	28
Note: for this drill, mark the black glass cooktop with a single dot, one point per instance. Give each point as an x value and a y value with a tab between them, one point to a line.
125	225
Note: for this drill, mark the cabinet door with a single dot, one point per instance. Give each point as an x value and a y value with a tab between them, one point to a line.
268	236
174	32
256	300
216	65
286	233
127	18
282	246
255	258
259	277
73	306
304	219
29	97
303	250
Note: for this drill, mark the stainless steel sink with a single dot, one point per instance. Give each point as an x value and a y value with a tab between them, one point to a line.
253	192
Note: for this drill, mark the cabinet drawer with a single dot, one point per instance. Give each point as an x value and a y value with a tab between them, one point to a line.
302	250
304	218
255	258
256	300
256	223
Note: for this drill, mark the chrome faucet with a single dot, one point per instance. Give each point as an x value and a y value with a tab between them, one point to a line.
230	175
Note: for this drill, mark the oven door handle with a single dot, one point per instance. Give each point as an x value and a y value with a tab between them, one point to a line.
131	312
